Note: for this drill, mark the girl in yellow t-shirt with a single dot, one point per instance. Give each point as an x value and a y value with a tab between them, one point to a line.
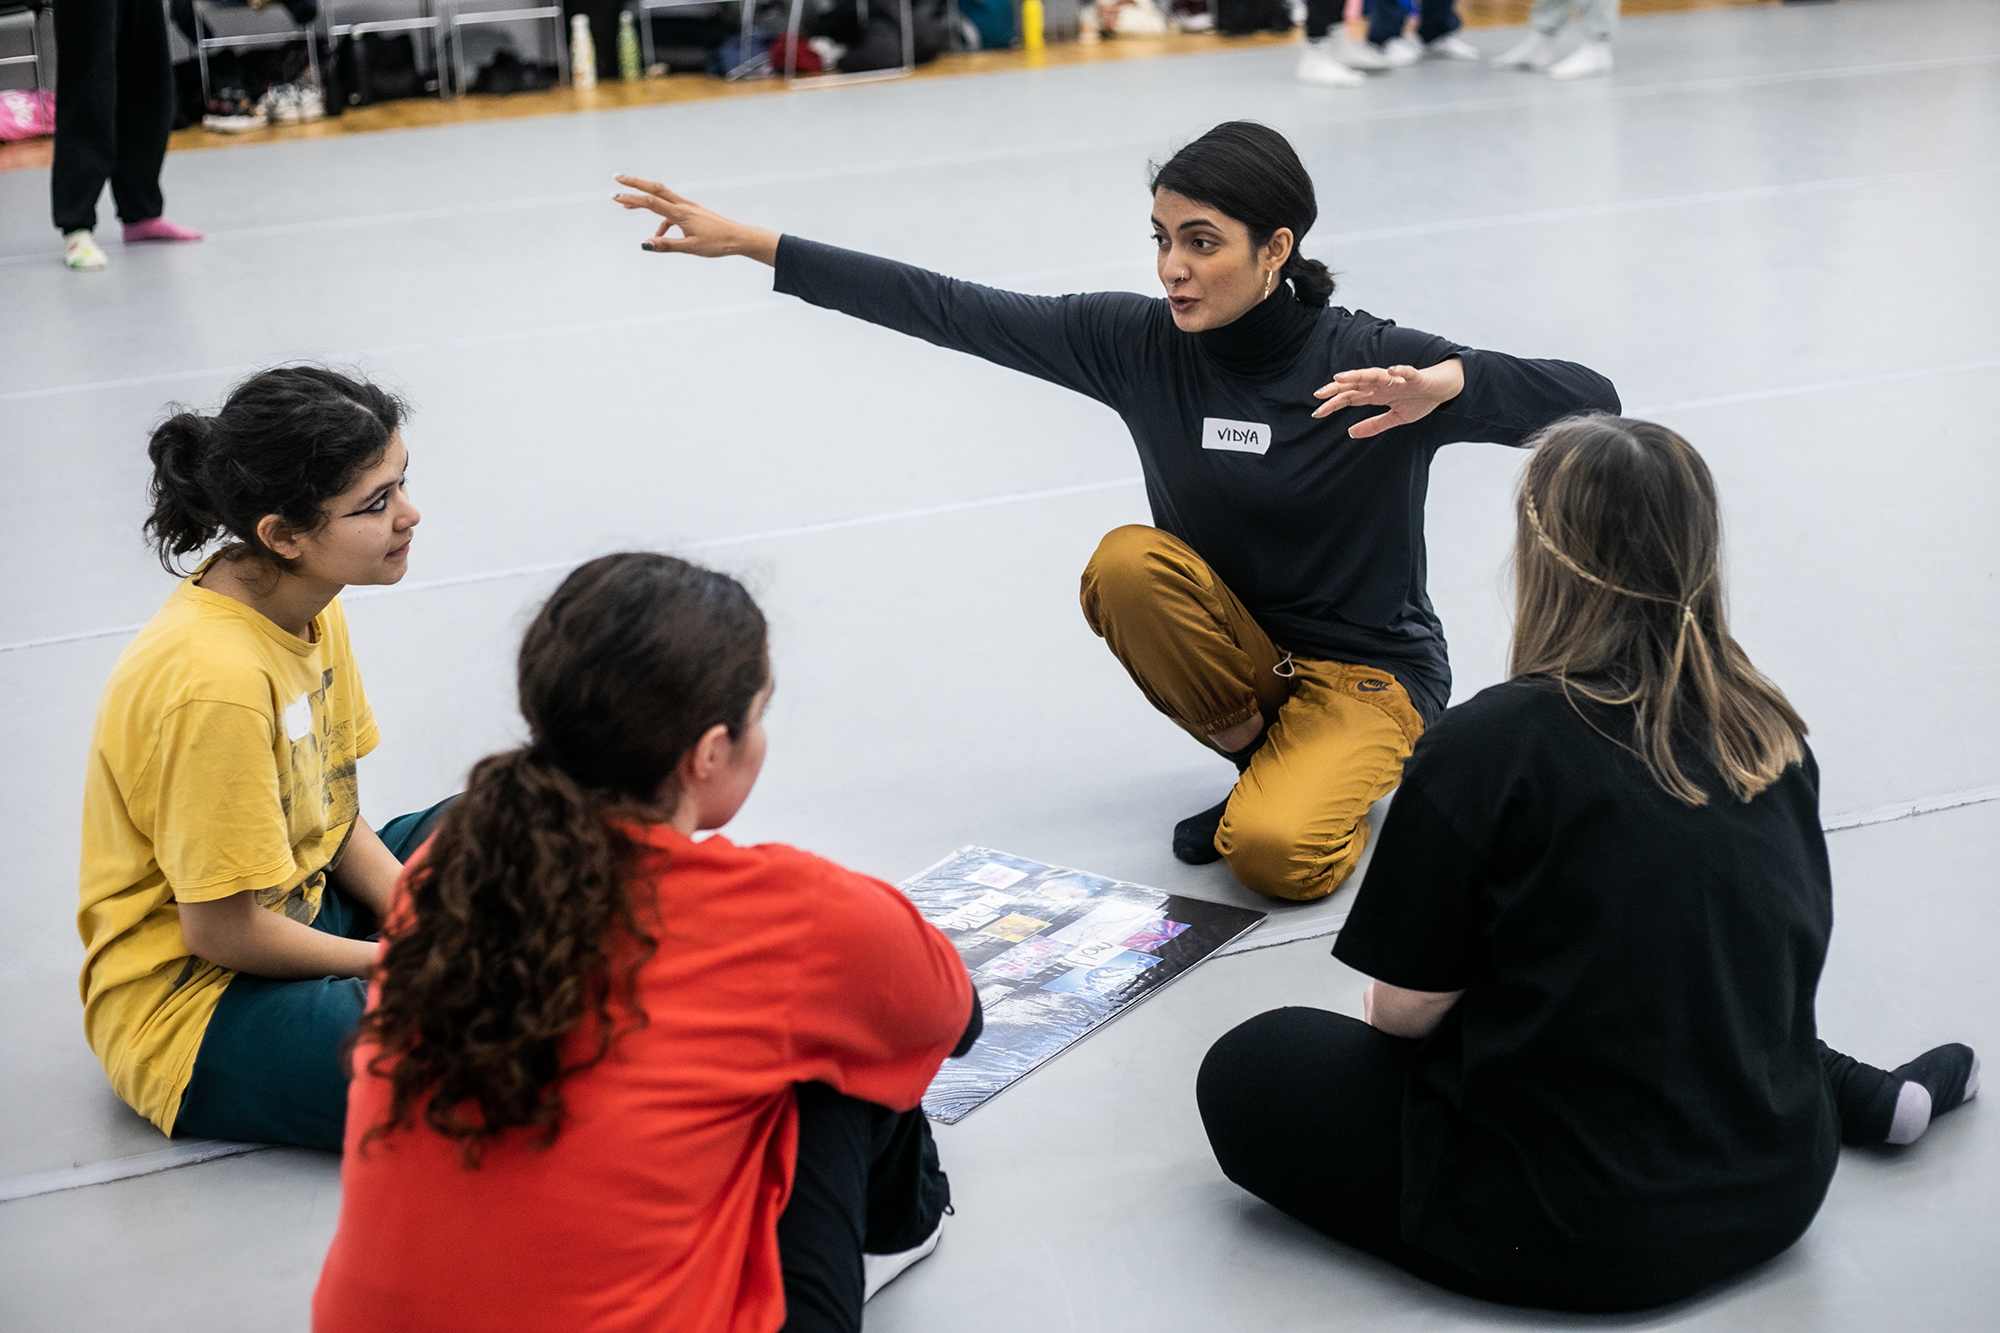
229	883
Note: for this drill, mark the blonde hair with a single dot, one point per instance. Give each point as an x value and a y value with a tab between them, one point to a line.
1618	597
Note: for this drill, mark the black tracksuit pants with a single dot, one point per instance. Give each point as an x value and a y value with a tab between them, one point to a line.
1385	18
114	109
1344	1176
867	1182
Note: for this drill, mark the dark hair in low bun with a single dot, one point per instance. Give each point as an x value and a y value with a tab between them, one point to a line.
1250	172
285	442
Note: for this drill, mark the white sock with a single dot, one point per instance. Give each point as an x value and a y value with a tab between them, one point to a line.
1913	1114
879	1270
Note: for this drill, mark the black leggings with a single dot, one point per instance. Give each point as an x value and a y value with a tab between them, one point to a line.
1304	1109
867	1182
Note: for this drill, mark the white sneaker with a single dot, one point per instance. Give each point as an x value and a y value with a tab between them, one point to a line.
879	1270
1360	55
1586	62
1320	66
1400	51
1537	51
1451	46
80	251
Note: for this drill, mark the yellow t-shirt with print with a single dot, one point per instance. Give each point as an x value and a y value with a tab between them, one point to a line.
223	760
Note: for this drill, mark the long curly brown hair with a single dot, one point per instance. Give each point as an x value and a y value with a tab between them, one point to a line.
506	942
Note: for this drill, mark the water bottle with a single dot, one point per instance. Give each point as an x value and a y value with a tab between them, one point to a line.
629	68
582	53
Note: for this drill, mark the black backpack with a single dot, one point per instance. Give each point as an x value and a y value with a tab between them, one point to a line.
1239	18
379	67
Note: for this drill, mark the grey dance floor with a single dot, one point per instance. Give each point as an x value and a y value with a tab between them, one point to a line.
1774	228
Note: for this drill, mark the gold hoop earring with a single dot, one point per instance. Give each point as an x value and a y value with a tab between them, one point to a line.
1270	280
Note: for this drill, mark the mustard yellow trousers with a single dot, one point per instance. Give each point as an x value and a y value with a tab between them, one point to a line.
1339	733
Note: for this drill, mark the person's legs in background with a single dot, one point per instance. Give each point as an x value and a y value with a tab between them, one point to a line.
867	1201
1537	51
1320	63
145	115
1599	20
86	122
1437	29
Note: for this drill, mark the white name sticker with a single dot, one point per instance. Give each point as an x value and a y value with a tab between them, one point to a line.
1247	437
299	719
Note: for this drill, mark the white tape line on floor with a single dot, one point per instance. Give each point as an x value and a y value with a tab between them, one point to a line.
123	1168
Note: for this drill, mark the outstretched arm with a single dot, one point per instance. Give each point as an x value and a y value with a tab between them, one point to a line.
703	231
1087	343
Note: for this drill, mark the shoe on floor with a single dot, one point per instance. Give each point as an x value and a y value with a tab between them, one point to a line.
1536	51
1451	46
1586	62
1320	66
879	1270
1400	51
80	251
158	229
1359	55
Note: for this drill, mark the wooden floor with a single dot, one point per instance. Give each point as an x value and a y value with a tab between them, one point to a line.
414	112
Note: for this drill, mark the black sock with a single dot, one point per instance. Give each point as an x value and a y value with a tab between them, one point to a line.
1881	1106
1949	1073
1194	837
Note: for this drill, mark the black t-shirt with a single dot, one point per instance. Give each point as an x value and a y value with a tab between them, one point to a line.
1629	1091
1321	536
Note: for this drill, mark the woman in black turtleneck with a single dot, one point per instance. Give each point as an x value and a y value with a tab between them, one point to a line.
1276	608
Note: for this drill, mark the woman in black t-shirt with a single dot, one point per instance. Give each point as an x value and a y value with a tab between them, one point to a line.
1588	1076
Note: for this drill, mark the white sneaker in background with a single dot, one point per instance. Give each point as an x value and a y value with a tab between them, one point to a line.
1586	62
1537	51
80	251
1359	55
1400	51
1451	46
1320	66
879	1270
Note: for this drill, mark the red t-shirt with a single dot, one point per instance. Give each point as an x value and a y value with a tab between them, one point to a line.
657	1206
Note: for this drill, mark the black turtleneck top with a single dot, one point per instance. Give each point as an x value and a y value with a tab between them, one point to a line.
1320	535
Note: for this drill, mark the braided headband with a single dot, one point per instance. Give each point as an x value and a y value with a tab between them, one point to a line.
1542	536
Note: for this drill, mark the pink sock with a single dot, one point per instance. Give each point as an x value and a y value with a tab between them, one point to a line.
159	229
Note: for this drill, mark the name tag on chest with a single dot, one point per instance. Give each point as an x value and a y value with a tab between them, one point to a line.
1244	437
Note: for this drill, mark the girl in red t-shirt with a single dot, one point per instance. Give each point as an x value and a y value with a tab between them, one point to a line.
612	1077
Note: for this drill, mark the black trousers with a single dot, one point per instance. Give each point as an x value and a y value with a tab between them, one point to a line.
1385	18
1338	1084
867	1182
1304	1109
114	109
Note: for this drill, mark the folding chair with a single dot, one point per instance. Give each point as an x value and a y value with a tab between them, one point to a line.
457	19
205	40
643	11
426	20
908	67
26	16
